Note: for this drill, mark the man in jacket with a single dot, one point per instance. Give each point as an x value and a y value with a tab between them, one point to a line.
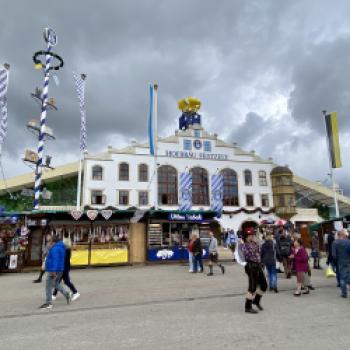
284	247
54	267
213	255
197	254
341	255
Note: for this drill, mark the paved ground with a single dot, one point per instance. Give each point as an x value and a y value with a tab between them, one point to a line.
165	307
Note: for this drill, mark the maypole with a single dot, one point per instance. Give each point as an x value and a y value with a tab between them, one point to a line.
51	40
80	89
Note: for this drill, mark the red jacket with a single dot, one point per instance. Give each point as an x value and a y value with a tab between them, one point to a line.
301	260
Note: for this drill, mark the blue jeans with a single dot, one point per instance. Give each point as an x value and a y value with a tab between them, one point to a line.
272	274
344	279
54	282
190	261
197	260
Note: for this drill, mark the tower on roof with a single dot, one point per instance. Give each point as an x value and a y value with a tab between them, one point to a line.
189	107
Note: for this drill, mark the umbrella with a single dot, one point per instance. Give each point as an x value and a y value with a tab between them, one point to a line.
280	222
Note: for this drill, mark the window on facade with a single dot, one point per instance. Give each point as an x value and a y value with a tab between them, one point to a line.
200	186
290	201
230	196
286	180
123	197
248	178
97	172
207	146
262	178
265	200
97	197
281	201
143	173
197	133
278	181
250	200
124	172
143	198
187	145
167	185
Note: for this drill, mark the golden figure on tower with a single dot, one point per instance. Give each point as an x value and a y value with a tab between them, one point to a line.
189	105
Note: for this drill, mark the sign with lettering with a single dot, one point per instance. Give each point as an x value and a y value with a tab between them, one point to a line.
185	217
196	155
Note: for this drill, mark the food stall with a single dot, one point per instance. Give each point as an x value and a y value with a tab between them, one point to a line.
168	233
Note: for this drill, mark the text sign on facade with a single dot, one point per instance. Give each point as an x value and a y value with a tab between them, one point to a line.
185	217
196	155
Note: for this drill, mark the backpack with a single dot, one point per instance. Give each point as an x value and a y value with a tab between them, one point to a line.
285	248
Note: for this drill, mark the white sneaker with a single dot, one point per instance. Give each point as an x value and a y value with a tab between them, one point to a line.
54	297
75	296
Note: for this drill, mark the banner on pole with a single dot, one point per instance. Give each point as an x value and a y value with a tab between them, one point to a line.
333	139
217	188
186	191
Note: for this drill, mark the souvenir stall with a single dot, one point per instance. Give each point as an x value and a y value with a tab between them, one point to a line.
98	237
95	243
14	239
168	233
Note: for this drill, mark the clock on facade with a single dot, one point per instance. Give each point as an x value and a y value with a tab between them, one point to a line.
197	144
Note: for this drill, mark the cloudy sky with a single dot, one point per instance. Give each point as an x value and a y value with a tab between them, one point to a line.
264	71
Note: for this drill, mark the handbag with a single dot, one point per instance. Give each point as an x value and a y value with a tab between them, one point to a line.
329	272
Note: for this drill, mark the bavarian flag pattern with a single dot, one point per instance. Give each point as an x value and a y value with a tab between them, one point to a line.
217	188
185	191
3	103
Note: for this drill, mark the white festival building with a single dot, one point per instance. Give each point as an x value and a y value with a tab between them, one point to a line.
125	178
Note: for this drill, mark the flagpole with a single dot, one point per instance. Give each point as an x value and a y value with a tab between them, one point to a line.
155	133
335	197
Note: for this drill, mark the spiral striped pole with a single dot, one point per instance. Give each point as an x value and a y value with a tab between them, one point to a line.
44	96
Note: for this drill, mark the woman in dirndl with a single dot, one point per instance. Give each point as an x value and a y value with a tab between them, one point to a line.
257	283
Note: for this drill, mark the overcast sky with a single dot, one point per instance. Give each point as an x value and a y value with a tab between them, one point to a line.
264	71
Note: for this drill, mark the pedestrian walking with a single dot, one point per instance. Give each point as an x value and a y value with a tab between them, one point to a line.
2	255
330	260
232	239
48	243
214	255
268	258
341	255
197	252
315	250
284	246
301	266
257	284
54	267
66	271
190	253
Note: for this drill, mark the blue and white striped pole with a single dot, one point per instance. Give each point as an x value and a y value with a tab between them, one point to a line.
44	97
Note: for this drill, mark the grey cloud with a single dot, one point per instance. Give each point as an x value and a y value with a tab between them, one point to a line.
227	53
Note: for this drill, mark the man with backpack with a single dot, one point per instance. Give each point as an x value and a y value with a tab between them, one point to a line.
284	247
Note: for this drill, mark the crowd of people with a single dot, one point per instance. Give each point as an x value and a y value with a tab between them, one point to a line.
263	253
